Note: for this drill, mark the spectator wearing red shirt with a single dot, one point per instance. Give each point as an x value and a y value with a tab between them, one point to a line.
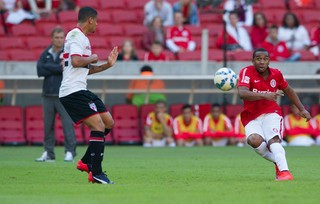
179	38
315	40
277	49
258	32
156	53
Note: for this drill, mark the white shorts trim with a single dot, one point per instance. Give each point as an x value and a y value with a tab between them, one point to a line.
266	125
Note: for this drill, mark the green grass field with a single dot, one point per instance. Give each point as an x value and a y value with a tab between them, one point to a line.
160	175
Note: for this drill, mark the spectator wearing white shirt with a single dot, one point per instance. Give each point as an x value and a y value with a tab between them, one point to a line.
243	10
159	8
294	34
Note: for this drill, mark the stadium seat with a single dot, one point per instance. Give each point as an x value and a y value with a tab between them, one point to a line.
92	3
22	55
195	30
2	32
175	109
86	130
232	111
201	110
52	18
190	56
24	30
241	55
67	26
215	55
295	6
170	55
267	4
113	4
215	29
102	53
107	30
11	125
11	43
315	110
68	16
126	128
124	16
104	17
46	28
59	135
143	113
37	42
118	41
209	18
134	30
285	110
310	16
34	124
4	55
137	4
97	42
307	55
317	4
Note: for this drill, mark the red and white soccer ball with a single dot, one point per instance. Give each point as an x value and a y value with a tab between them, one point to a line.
225	79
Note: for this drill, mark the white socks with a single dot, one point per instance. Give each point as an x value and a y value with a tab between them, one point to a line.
264	152
279	156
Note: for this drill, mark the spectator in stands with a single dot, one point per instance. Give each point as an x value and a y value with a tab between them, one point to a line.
237	36
243	9
258	32
278	49
43	7
158	127
239	132
189	11
128	52
179	38
316	126
68	5
315	40
2	86
50	66
159	8
156	53
294	34
298	131
141	98
187	128
16	12
155	33
217	127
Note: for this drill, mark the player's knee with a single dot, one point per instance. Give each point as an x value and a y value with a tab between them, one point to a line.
99	126
255	140
275	139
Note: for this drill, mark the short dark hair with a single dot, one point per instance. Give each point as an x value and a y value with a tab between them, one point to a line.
56	30
295	18
233	13
146	68
259	50
186	106
85	13
215	105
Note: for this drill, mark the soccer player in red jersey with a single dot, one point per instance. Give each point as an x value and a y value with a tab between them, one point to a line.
258	87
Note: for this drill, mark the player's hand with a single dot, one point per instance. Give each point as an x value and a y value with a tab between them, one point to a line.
160	117
273	96
112	58
305	114
95	58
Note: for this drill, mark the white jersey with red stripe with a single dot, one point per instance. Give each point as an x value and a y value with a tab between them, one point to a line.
74	79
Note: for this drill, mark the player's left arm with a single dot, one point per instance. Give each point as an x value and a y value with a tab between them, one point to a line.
296	101
112	58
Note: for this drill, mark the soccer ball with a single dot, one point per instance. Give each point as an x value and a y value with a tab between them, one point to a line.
225	79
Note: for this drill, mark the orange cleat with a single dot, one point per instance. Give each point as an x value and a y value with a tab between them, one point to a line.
284	176
90	177
82	166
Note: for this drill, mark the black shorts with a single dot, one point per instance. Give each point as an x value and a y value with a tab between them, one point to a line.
82	104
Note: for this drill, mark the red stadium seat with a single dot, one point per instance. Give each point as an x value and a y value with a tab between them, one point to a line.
314	110
4	56
307	55
135	30
59	135
68	16
11	43
241	55
136	4
113	4
310	16
102	53
144	111
104	17
195	30
233	110
215	29
34	124
2	32
209	18
46	28
97	42
52	18
308	5
118	41
37	42
215	55
92	3
190	56
24	30
201	110
11	125
175	109
22	55
285	110
317	4
124	16
126	128
109	139
267	4
110	30
170	55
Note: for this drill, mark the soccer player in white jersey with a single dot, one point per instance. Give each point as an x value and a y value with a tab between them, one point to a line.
81	104
258	87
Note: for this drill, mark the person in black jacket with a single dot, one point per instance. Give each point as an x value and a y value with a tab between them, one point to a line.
50	67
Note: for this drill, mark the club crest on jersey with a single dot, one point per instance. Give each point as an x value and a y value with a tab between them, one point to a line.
273	83
93	106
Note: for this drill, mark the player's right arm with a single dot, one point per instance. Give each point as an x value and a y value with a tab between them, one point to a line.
246	94
81	62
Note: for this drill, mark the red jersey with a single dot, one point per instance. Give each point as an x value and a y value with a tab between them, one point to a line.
250	78
149	56
277	51
181	37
